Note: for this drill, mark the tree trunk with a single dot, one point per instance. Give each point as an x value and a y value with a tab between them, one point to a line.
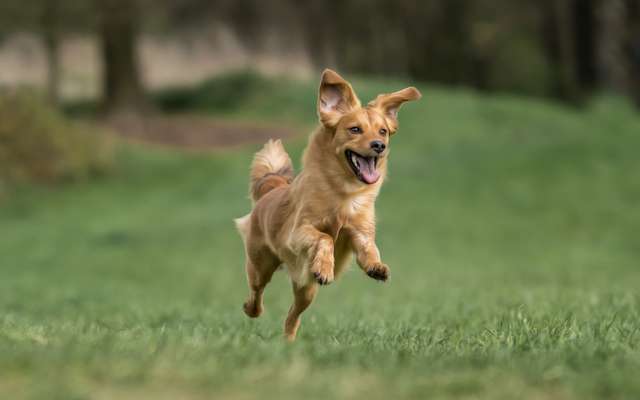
633	46
611	58
586	37
50	28
319	30
565	23
122	86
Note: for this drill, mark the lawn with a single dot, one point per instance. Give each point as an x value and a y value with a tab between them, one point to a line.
511	226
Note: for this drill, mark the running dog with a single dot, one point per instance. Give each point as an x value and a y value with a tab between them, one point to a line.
314	221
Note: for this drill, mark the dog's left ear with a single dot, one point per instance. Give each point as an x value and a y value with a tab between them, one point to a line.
336	97
389	103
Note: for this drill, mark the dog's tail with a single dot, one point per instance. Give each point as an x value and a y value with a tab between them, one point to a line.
271	168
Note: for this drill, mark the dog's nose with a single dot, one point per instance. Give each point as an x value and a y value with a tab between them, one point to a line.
378	146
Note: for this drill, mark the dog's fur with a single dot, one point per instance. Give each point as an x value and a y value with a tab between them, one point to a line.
313	222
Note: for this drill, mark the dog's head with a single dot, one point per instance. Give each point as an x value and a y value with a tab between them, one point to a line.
360	134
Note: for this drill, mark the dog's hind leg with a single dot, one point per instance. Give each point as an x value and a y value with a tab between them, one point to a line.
302	297
258	275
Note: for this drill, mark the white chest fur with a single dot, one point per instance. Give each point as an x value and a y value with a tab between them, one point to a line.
356	204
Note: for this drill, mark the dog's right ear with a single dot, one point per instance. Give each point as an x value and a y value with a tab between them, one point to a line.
335	98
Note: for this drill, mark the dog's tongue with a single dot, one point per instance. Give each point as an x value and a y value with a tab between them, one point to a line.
368	169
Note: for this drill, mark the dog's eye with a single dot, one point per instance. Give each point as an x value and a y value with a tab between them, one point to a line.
355	129
383	131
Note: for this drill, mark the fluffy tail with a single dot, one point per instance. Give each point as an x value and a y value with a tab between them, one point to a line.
271	168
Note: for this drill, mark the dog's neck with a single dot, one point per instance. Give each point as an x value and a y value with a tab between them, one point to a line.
324	174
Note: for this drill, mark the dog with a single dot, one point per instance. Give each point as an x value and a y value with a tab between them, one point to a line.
314	221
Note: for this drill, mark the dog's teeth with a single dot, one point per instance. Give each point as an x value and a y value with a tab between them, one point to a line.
355	160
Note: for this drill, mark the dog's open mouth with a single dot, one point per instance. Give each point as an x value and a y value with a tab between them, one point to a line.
365	168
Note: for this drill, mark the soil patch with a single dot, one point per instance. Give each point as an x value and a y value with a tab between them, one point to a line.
195	132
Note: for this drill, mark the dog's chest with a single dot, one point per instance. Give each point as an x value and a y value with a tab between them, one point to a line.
331	225
337	218
354	205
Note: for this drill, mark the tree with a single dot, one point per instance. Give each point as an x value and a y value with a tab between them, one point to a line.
612	61
633	46
122	84
51	36
559	33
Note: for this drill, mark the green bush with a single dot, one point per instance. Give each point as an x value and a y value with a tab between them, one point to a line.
520	66
38	144
221	93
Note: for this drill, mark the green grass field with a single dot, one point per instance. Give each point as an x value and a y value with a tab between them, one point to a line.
512	228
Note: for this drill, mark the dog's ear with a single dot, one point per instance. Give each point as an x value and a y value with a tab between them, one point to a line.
389	103
335	98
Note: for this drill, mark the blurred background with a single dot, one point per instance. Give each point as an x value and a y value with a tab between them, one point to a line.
129	63
510	220
115	50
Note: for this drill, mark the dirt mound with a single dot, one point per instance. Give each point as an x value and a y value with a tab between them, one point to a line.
195	132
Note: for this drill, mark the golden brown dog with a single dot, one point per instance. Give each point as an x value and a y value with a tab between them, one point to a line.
313	222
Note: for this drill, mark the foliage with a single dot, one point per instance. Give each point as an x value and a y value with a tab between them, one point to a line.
39	144
510	226
224	92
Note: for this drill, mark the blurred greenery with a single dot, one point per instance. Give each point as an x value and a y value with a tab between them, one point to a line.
38	144
566	50
220	93
510	226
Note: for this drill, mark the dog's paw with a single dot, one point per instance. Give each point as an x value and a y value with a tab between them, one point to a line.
323	278
252	309
322	271
378	271
322	265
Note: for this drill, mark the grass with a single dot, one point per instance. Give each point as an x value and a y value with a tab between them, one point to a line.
511	227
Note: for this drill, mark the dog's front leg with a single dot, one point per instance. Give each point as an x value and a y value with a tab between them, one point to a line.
367	253
317	248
